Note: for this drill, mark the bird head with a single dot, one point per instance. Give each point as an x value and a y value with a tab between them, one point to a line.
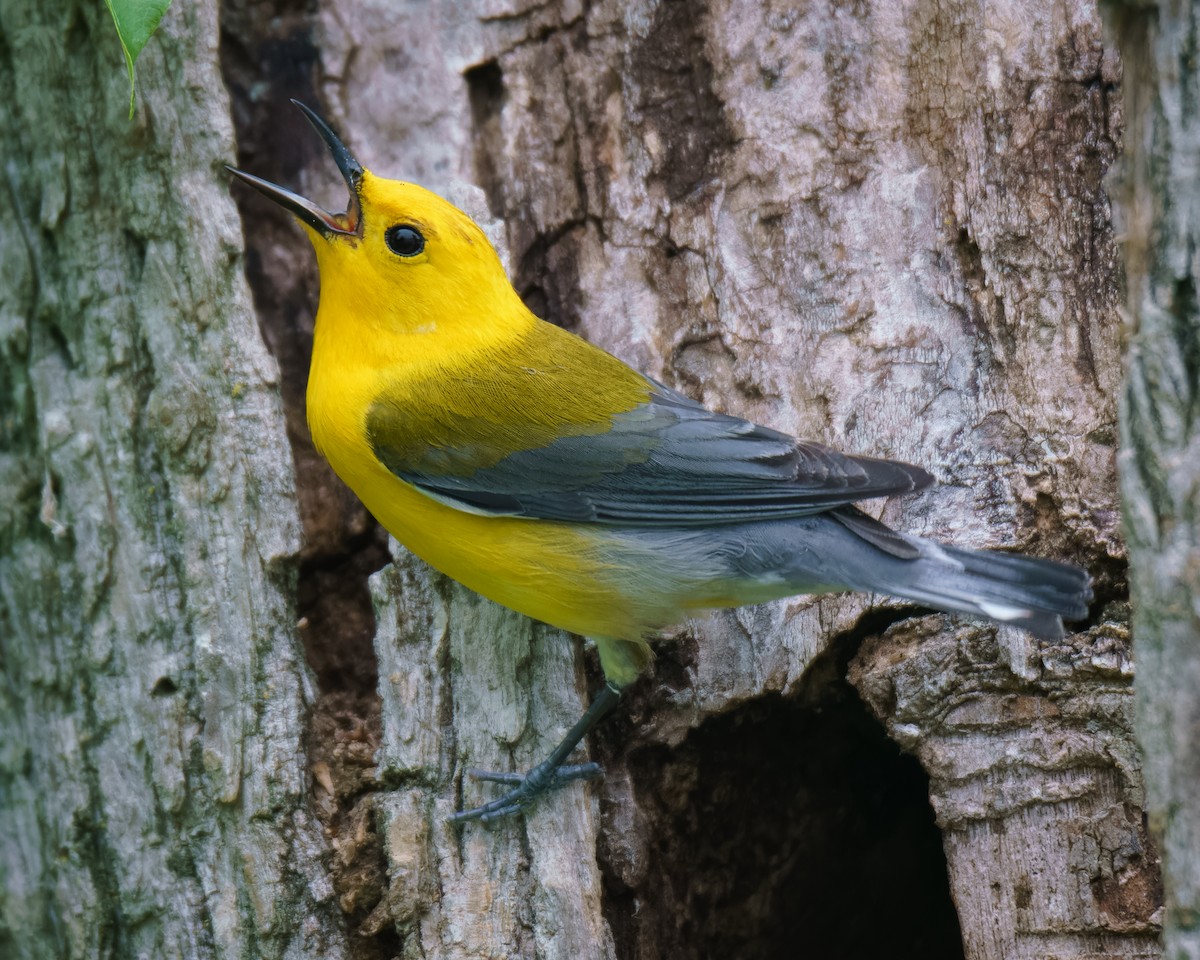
398	251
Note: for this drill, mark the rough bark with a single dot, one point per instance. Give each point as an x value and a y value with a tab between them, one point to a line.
1157	193
882	226
153	777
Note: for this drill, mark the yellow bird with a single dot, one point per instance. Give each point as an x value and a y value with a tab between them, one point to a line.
547	475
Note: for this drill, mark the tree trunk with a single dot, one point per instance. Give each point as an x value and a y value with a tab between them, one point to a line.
1160	430
154	793
882	228
879	226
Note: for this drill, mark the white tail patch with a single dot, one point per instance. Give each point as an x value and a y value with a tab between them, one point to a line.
1002	611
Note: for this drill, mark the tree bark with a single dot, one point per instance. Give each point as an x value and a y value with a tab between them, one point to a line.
154	793
1160	440
879	226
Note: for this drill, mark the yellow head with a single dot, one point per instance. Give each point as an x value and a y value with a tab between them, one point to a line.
413	259
400	259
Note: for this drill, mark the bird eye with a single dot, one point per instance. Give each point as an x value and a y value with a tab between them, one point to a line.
404	241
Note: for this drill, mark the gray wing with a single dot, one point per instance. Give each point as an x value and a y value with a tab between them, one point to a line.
668	462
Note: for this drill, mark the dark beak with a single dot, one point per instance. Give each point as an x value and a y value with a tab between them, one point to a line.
325	223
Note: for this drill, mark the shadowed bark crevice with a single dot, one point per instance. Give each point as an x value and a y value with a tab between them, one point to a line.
266	60
547	277
679	107
1026	744
485	90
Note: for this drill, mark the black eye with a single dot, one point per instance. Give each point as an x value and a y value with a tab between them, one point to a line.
404	241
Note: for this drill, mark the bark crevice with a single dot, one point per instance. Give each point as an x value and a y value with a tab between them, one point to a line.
268	58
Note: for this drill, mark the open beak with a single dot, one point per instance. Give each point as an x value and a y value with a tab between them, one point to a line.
325	223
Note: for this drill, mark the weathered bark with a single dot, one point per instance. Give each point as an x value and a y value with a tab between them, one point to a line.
1157	193
880	226
153	777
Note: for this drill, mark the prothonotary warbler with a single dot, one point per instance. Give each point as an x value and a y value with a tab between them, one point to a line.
547	475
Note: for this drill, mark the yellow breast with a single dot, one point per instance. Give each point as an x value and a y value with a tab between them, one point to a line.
554	572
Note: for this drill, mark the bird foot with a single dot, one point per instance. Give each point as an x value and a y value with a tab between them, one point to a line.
525	788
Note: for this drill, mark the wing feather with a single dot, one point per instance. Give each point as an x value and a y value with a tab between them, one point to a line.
666	461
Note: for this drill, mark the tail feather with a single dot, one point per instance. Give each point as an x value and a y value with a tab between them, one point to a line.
846	549
1026	592
1060	587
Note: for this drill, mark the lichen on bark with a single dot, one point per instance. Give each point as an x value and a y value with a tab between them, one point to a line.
1156	193
154	790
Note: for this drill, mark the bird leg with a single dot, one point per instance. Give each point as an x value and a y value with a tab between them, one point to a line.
548	775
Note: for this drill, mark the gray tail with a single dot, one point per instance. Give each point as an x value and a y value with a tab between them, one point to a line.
1006	587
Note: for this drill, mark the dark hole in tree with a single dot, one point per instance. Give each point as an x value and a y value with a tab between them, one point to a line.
786	828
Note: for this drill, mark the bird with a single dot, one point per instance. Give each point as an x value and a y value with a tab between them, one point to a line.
547	475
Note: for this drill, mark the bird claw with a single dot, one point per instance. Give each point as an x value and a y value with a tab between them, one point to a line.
525	789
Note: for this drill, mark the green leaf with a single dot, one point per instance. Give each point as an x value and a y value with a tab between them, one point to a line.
136	22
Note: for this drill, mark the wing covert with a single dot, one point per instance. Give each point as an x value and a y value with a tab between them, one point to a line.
666	461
